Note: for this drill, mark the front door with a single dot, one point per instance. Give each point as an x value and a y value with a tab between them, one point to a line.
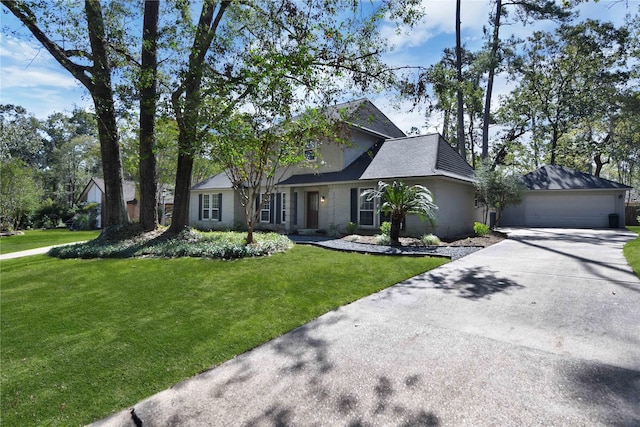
313	204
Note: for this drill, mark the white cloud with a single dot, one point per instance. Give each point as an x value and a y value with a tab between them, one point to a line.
15	76
14	49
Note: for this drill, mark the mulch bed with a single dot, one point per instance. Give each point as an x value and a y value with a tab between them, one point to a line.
472	240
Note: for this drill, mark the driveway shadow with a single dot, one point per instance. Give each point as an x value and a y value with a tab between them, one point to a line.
474	283
612	392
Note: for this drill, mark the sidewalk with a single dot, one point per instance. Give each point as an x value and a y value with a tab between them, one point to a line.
36	251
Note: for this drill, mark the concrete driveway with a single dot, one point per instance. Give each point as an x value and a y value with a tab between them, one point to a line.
541	329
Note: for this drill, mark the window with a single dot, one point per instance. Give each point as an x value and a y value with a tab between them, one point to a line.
265	208
215	207
284	207
310	150
366	209
211	207
205	207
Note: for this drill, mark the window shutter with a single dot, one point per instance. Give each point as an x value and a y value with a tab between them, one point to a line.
354	205
294	208
272	203
199	207
219	206
278	208
384	217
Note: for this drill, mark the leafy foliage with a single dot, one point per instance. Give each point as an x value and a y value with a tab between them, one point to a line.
430	240
221	245
385	228
497	189
481	229
19	193
398	200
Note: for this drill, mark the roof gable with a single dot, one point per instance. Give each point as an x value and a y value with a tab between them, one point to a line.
554	177
220	180
418	156
128	188
363	114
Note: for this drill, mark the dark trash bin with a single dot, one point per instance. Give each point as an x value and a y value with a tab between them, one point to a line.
614	221
492	219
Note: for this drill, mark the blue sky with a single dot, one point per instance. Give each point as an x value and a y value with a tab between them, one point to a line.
30	77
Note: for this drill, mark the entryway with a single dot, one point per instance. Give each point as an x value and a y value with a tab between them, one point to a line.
313	205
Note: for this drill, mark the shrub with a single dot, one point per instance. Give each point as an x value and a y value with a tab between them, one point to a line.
480	229
223	245
352	228
385	228
334	230
383	239
430	240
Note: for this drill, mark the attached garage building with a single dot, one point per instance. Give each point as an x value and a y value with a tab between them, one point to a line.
557	196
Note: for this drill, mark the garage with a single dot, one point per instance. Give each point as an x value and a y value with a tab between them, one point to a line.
557	196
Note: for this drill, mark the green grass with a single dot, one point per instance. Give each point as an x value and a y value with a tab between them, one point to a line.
632	251
32	239
82	339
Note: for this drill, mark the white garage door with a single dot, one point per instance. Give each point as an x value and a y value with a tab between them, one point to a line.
567	209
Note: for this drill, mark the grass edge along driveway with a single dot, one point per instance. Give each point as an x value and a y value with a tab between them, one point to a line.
82	339
32	239
632	250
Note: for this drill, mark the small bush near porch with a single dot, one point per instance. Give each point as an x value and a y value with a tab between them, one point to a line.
82	339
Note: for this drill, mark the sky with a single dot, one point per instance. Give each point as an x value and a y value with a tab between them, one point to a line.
31	78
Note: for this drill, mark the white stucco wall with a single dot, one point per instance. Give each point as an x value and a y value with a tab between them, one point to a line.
566	208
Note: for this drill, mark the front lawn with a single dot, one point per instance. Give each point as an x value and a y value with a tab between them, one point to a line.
632	250
32	239
82	339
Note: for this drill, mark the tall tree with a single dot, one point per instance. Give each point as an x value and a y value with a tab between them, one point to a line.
243	49
459	91
91	66
525	11
148	105
569	78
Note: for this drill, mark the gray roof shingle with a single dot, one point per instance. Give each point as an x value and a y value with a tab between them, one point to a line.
554	177
217	181
363	114
418	156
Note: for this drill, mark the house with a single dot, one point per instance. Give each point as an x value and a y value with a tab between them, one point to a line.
329	196
557	196
93	192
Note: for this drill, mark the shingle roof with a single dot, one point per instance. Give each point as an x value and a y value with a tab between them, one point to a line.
128	187
418	156
217	181
363	114
554	177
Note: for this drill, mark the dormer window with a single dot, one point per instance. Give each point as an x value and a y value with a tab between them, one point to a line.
310	151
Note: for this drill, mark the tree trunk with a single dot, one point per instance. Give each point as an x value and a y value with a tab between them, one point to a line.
554	144
148	102
188	115
395	229
180	216
461	142
486	117
114	211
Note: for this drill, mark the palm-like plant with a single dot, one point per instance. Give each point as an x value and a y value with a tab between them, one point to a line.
398	200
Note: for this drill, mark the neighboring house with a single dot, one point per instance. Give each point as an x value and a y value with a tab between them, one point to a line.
557	196
329	196
94	193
